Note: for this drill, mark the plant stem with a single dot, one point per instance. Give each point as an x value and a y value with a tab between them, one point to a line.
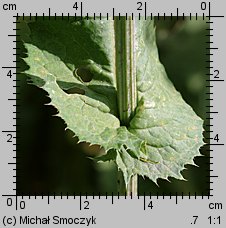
132	186
125	65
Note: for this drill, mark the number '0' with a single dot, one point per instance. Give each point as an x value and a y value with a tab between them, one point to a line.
203	5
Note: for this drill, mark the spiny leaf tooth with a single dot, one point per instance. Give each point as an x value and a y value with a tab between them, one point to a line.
80	140
30	82
200	155
56	115
203	143
156	181
143	176
167	179
49	104
183	179
195	165
180	177
102	148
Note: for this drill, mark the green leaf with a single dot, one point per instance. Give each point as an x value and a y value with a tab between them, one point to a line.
74	61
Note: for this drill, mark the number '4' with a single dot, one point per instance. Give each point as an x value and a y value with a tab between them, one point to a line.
216	138
9	74
150	205
75	6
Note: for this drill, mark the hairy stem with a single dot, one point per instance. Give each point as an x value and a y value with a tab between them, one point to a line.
125	66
